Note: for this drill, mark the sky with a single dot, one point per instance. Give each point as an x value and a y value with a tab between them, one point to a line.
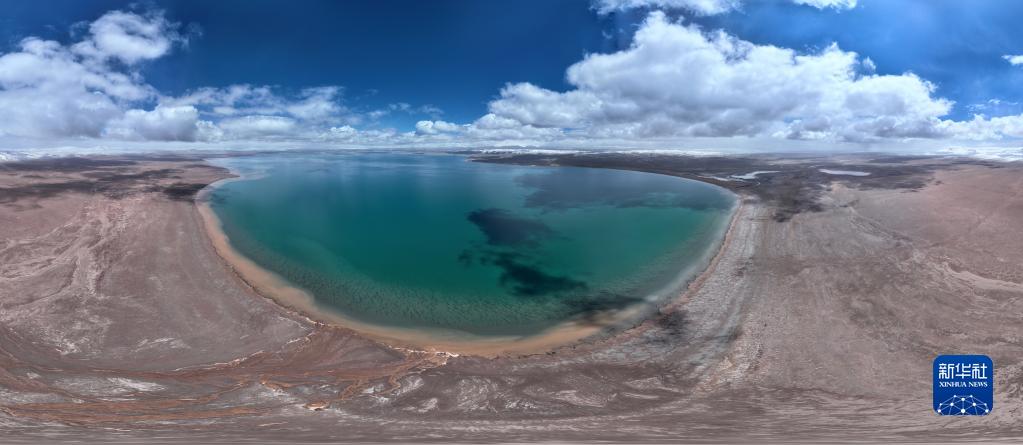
711	75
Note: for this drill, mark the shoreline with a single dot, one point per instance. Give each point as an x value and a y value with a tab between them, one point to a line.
268	284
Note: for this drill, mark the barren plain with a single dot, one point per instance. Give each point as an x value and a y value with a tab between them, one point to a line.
817	320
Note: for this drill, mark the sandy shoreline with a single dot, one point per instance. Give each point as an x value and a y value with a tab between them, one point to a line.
271	286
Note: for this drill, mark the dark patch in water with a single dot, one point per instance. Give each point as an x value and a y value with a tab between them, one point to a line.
526	280
796	188
502	228
582	188
523	278
465	258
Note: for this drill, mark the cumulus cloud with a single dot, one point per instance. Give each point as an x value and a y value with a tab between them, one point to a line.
436	127
263	111
257	127
48	91
316	104
92	88
491	128
128	37
342	133
162	124
88	89
230	100
1013	59
320	104
822	4
676	80
496	128
704	7
983	128
432	111
701	7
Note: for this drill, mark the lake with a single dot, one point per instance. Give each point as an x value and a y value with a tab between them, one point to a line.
438	242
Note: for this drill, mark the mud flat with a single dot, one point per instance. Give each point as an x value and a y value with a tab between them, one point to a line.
816	321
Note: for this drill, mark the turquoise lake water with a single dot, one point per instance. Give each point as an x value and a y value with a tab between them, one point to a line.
439	242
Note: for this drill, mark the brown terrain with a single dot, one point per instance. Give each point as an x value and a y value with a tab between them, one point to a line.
817	321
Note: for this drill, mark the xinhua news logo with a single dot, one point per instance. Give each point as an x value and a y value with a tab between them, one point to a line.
964	385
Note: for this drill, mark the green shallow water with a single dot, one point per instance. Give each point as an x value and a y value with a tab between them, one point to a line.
438	242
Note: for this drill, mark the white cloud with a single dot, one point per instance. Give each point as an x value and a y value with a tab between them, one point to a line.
308	110
257	127
704	7
49	67
990	153
436	127
496	128
430	110
675	83
317	104
163	123
869	65
92	89
46	95
1014	59
50	90
406	108
678	81
700	7
128	37
983	128
227	101
490	128
822	4
342	133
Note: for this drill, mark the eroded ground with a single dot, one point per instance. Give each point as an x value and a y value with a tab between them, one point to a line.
818	320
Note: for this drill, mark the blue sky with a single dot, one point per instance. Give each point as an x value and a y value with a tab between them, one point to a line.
455	55
648	73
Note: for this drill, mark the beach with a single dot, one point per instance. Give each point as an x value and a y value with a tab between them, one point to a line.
122	304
